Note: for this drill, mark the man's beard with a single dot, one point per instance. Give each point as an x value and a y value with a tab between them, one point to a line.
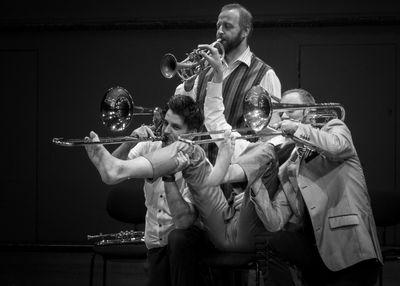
167	140
230	45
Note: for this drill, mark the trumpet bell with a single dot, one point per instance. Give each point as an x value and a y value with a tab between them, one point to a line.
116	109
191	66
168	65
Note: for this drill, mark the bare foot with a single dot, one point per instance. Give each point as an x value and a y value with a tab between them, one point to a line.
99	156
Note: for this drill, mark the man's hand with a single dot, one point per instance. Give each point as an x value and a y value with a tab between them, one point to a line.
214	59
142	132
182	160
179	146
227	147
287	127
238	200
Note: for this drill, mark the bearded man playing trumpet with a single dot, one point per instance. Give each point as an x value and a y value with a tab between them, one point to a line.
241	69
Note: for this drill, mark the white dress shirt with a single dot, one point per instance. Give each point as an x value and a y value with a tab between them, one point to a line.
159	222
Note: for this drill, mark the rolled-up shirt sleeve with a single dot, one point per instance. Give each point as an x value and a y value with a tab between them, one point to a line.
214	118
272	84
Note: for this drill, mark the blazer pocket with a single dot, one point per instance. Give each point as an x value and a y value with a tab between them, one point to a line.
343	220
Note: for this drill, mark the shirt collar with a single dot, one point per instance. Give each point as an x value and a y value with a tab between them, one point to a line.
245	57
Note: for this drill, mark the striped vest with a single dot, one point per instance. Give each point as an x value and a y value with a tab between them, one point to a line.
234	89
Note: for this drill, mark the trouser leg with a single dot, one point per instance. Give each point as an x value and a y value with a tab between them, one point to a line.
247	226
295	248
211	205
364	273
158	267
185	247
292	248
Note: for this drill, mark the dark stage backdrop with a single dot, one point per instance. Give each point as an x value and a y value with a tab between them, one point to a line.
57	61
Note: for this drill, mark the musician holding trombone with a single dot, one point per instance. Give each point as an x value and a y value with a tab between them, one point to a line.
168	201
321	214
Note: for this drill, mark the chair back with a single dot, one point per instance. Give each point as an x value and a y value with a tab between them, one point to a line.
125	202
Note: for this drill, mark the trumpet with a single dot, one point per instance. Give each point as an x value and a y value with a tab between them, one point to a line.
257	112
117	110
191	66
128	236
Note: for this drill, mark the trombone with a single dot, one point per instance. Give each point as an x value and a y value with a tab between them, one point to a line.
257	113
191	66
117	110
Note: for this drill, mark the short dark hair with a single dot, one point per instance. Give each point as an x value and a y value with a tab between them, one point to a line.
245	17
306	96
185	106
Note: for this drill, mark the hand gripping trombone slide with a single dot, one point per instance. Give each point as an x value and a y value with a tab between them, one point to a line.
257	113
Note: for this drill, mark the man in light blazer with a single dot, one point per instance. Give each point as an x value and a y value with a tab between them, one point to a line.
323	212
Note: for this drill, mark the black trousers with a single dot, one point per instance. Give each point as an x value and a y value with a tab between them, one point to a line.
177	264
296	248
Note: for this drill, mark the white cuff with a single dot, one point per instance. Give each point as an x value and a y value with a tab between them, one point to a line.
214	89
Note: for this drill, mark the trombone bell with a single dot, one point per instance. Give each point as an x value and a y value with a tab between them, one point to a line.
116	108
258	108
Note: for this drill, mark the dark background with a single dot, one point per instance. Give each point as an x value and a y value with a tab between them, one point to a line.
58	58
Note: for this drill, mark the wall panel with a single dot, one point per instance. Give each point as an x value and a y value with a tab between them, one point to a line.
362	77
18	81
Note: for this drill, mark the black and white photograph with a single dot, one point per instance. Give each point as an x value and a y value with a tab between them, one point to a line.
200	143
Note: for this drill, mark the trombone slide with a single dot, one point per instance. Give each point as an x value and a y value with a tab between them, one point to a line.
104	141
